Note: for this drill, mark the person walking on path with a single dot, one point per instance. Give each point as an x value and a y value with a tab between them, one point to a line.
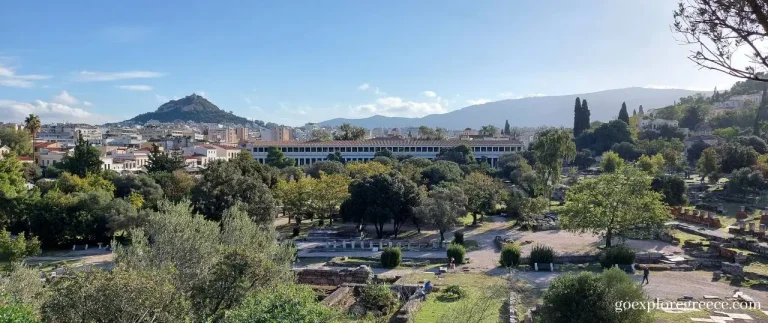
452	265
645	276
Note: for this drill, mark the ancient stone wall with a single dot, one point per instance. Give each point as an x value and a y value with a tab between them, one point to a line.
333	277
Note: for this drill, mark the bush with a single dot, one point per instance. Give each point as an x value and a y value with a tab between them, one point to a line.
391	257
457	252
16	313
619	255
589	297
378	297
285	303
455	291
296	231
458	237
510	255
541	254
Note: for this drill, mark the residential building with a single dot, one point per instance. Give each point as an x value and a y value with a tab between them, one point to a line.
655	124
306	153
4	150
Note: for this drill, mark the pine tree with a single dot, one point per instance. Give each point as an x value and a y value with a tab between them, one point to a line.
623	115
634	113
506	128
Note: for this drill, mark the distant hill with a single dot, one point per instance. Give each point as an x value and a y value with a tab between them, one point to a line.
531	112
191	108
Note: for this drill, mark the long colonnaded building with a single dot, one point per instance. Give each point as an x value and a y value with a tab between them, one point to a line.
308	152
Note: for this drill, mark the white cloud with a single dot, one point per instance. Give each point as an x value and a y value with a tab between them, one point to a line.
376	90
364	86
478	101
8	77
65	98
87	104
137	87
48	112
429	94
91	76
397	107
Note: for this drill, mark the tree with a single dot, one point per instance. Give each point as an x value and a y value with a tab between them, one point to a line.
115	296
506	128
443	209
488	130
651	165
734	156
349	132
32	172
85	159
324	166
320	134
431	134
287	303
603	137
640	110
381	199
614	204
33	125
578	125
483	194
694	152
177	186
551	148
277	158
330	191
143	185
224	184
723	29
18	140
17	248
623	114
162	161
12	182
441	171
757	143
296	197
611	162
746	180
627	151
359	170
584	159
461	155
588	297
693	115
673	189
335	157
384	153
708	164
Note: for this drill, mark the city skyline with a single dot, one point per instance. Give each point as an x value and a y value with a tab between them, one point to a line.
103	62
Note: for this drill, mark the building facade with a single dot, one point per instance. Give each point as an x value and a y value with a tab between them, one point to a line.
306	153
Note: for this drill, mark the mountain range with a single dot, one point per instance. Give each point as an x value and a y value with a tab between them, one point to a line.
190	108
532	111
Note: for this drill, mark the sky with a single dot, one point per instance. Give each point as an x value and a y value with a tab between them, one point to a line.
292	62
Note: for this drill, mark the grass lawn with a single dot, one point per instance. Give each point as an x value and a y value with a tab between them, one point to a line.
475	284
684	236
758	265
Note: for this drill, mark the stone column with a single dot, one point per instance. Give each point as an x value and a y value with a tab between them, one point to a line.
762	228
752	226
343	244
389	244
381	244
409	245
711	214
353	244
741	224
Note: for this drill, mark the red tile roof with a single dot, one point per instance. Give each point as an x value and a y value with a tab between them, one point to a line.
387	142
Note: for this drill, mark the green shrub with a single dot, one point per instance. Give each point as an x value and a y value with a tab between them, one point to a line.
457	252
378	297
17	248
589	297
541	254
510	255
16	313
619	255
458	237
391	257
455	291
296	231
283	303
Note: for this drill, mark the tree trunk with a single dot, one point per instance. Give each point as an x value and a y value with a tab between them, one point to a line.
608	237
474	219
441	237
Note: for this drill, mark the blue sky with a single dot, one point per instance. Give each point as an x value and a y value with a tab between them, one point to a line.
292	62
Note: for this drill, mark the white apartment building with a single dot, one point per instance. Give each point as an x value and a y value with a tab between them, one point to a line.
306	153
655	124
67	133
738	101
202	155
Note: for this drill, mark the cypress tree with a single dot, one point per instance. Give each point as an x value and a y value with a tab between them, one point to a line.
584	115
641	110
623	115
578	112
634	113
506	128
